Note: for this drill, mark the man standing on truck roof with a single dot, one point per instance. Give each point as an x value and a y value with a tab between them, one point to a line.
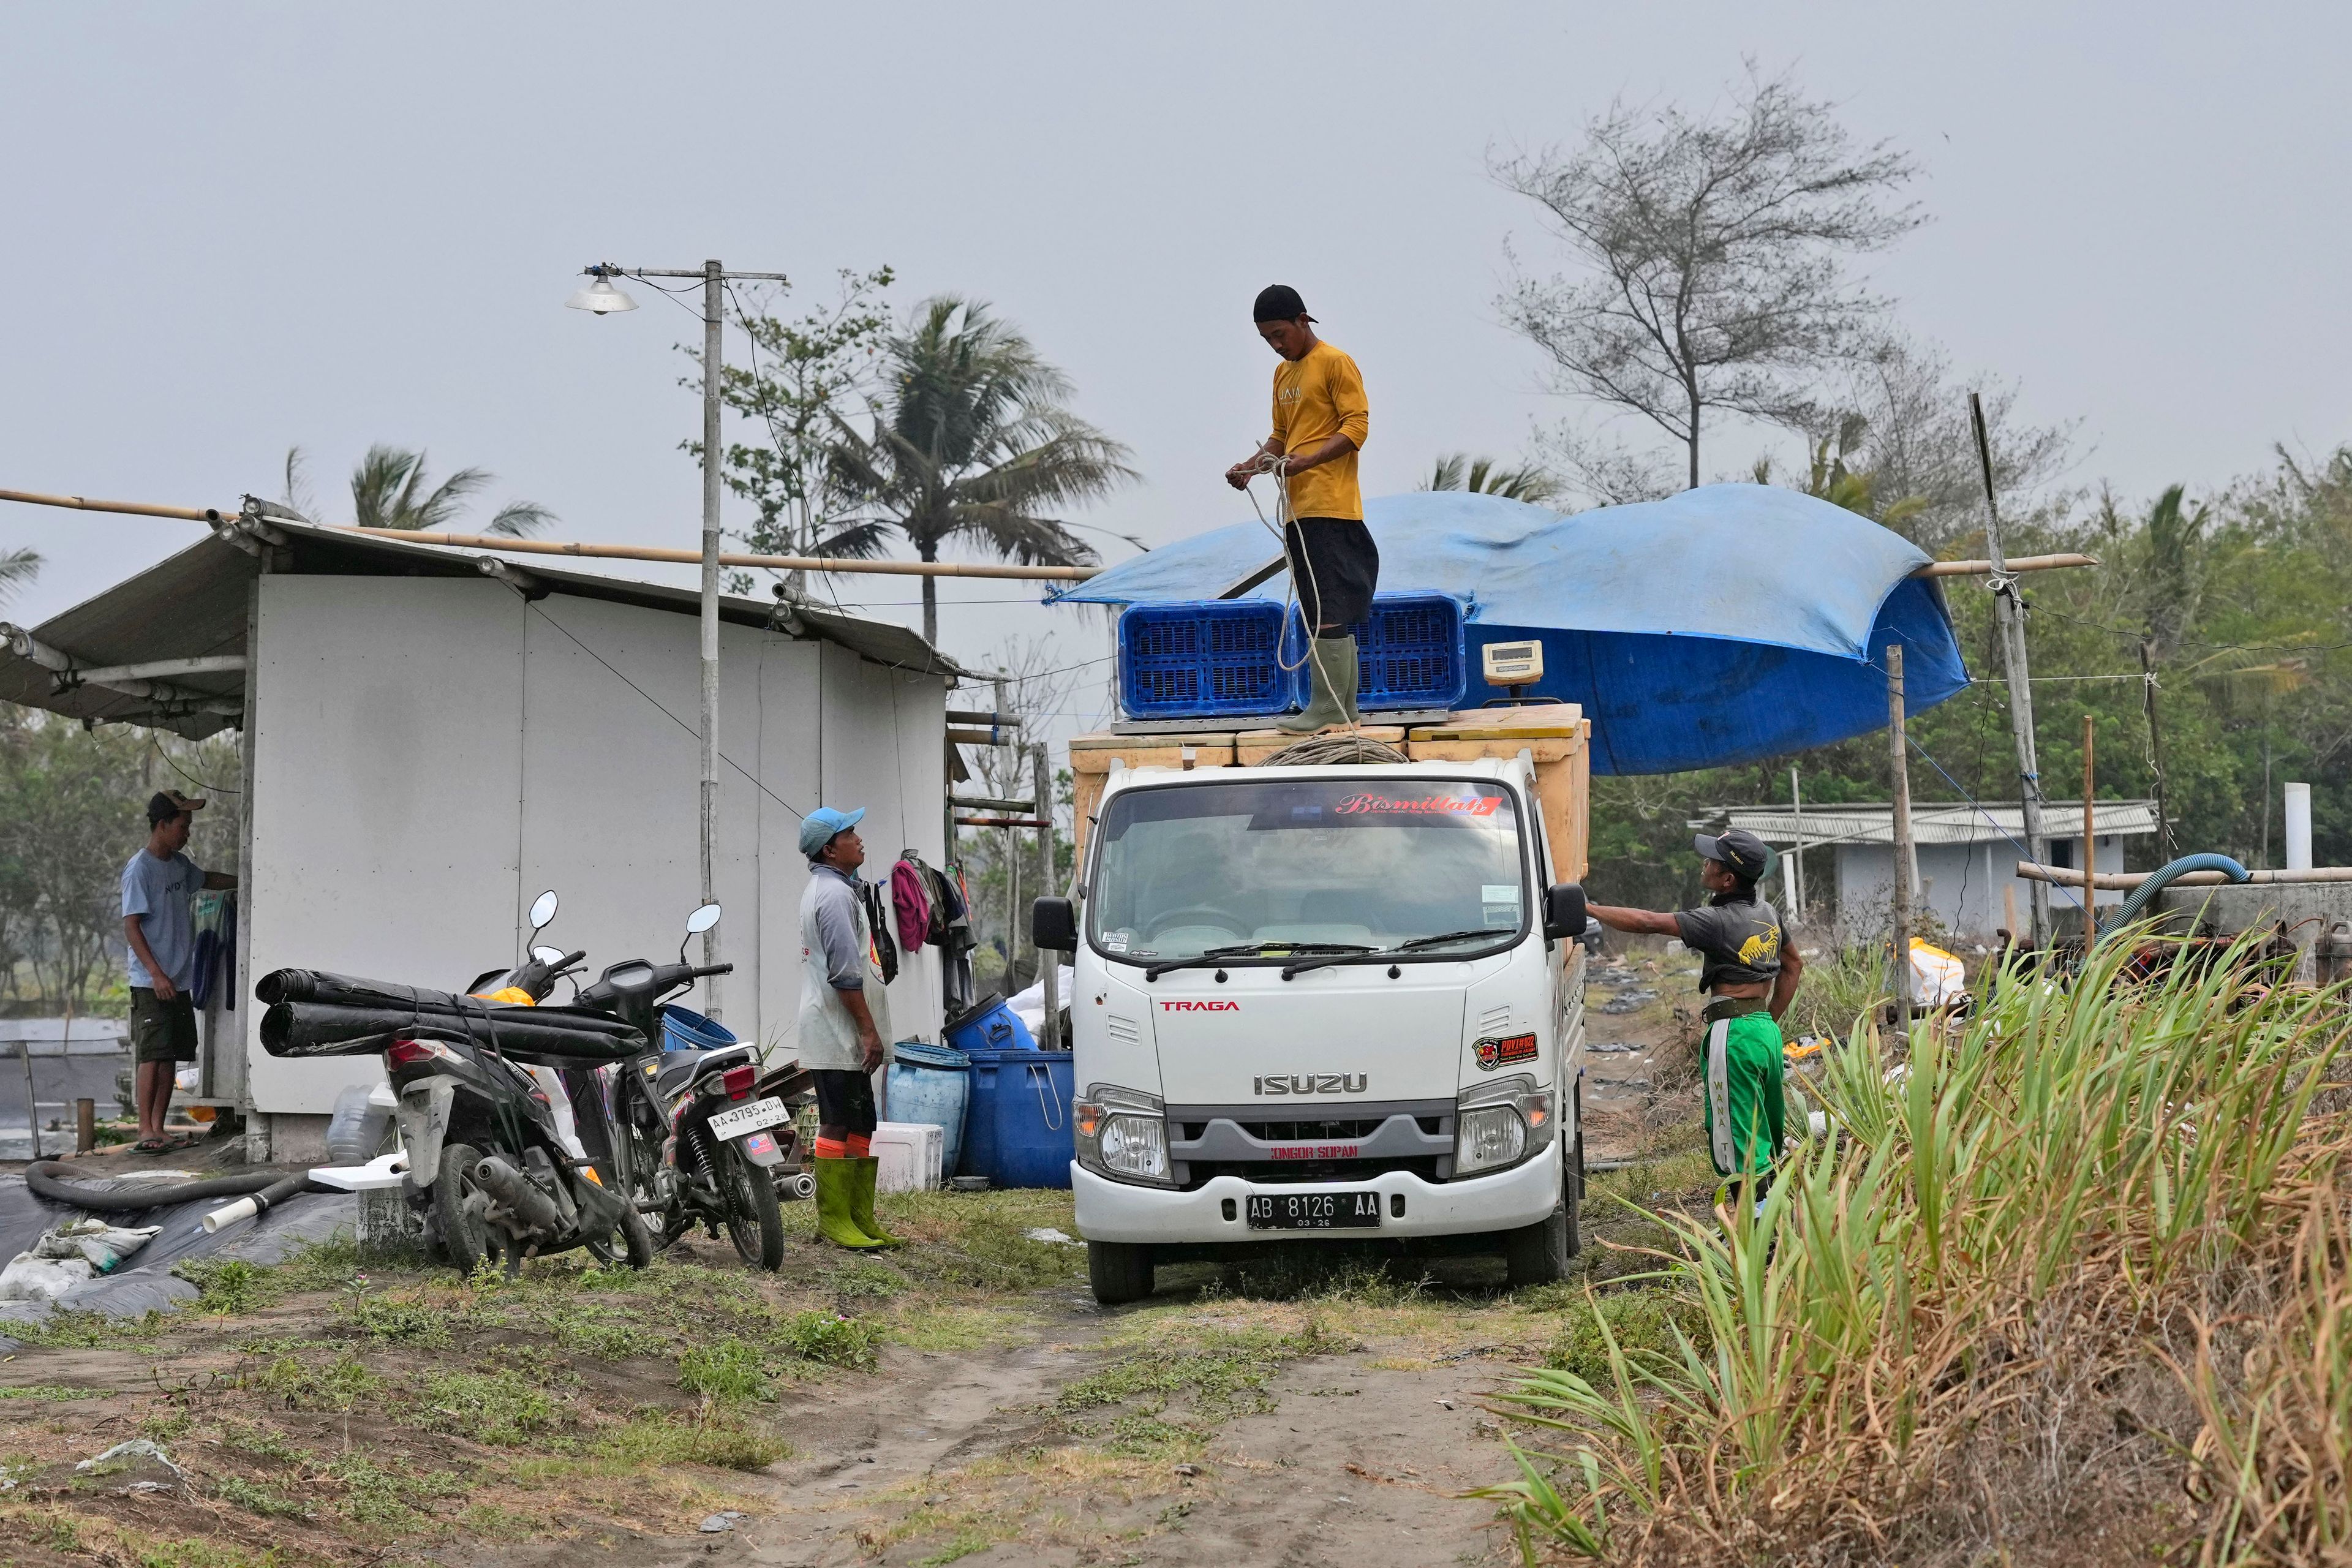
1320	419
844	1021
1752	975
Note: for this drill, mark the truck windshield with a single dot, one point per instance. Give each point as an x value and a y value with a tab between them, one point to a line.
1376	863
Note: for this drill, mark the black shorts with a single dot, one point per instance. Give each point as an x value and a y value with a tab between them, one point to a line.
845	1099
162	1031
1335	566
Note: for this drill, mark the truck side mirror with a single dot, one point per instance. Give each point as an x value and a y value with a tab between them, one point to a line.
1563	910
1054	925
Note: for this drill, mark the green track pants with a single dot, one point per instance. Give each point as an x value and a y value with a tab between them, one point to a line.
1740	1082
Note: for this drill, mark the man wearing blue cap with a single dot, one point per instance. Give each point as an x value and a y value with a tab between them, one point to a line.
843	1027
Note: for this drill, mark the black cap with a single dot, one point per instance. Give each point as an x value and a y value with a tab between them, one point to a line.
165	804
1746	854
1278	302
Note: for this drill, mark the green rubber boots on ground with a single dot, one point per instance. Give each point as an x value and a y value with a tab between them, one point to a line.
837	1186
1332	676
861	1200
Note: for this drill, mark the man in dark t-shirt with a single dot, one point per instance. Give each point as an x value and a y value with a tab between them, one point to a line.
1749	974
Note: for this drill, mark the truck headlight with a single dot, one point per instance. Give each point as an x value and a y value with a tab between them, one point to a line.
1499	1124
1122	1132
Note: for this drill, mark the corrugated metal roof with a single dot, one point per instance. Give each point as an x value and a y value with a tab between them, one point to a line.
1937	823
193	604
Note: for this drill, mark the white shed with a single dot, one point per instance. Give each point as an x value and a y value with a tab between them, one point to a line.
1968	856
433	736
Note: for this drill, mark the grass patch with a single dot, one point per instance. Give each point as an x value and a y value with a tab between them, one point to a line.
726	1370
503	1408
407	1323
938	1326
720	1444
50	1392
1168	1389
238	1492
66	1330
829	1338
302	1385
373	1495
1645	1324
224	1285
980	1240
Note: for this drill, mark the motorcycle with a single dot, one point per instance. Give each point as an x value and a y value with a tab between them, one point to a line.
498	1170
692	1139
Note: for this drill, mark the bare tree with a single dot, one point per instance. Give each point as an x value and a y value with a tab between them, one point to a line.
1715	253
1036	681
1902	416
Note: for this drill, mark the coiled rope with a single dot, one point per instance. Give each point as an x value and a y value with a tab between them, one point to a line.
1279	467
1333	749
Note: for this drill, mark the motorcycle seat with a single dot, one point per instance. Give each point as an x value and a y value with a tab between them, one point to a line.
679	1068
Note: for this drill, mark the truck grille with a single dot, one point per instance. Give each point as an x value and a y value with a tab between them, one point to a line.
1347	1142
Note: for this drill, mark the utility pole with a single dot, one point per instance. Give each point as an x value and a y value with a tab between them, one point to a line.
2008	615
2154	751
1049	973
602	298
2090	836
1902	840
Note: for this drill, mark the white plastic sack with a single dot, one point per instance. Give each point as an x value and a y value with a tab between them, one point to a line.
103	1247
186	1078
1938	978
31	1278
1030	1005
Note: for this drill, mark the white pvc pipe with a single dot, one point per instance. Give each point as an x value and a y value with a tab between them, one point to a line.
2298	827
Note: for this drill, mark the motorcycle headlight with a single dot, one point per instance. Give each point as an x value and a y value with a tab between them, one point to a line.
1498	1124
1122	1132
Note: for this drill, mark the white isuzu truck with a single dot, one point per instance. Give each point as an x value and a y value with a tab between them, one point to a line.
1329	1002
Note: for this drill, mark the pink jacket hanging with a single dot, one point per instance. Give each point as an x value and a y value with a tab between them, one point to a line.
911	904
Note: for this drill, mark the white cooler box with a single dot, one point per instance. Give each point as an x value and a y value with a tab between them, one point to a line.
912	1153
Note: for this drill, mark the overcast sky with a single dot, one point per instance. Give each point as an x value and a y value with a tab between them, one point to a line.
231	229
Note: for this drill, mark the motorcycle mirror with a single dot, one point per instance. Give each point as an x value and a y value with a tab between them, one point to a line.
542	909
702	920
548	954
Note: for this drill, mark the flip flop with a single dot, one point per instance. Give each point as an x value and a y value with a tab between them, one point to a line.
153	1146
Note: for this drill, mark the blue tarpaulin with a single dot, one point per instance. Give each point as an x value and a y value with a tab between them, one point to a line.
1726	625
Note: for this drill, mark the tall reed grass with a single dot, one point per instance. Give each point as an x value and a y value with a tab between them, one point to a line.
2073	1283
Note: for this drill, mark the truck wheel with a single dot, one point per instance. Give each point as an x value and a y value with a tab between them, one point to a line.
1119	1271
1537	1254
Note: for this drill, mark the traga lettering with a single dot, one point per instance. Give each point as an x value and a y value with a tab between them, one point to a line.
1200	1007
1312	1083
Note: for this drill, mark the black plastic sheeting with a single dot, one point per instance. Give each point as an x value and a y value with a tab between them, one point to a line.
146	1282
312	1013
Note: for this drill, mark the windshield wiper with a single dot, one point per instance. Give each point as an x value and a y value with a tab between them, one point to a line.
1252	950
1368	953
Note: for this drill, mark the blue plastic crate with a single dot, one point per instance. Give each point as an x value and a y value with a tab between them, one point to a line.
1201	660
1409	654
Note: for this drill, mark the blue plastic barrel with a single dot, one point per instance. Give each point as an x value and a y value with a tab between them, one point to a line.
684	1029
1016	1131
989	1027
932	1083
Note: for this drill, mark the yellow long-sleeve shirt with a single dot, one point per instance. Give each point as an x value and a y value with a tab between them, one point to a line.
1313	398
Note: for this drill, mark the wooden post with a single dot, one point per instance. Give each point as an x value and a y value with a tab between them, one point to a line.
32	1104
1902	839
85	1126
2009	910
1797	857
2090	838
1049	974
2154	751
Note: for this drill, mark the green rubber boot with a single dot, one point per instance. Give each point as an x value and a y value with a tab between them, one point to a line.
835	1184
1330	667
867	1169
1345	680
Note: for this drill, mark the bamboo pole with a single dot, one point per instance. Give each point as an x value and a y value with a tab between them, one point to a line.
2090	837
131	507
2013	563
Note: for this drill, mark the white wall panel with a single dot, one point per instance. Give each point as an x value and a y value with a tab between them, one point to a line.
430	754
387	766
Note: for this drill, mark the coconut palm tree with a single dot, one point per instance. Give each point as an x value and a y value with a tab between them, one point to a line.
390	488
1485	476
972	442
17	569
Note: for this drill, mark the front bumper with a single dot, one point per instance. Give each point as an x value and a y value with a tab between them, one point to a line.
1114	1211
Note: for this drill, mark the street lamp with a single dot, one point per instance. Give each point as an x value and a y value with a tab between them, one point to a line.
603	297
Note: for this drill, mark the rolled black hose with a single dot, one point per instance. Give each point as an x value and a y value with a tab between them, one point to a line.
338	1029
52	1179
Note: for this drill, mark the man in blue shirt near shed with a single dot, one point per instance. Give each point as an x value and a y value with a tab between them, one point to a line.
159	891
